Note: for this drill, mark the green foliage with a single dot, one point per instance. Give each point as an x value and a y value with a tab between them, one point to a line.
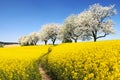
65	40
1	45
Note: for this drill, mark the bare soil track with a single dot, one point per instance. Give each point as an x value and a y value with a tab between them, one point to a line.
43	74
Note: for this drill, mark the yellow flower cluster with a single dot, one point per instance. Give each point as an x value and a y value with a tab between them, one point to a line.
84	61
70	61
21	63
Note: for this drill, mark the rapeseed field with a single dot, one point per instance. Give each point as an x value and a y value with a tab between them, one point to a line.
21	63
69	61
84	61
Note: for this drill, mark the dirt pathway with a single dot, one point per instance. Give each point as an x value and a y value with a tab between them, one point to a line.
43	74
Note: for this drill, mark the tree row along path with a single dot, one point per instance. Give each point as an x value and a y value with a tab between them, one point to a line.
43	74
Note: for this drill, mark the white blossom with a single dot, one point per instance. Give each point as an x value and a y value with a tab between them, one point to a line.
49	31
34	38
70	30
96	20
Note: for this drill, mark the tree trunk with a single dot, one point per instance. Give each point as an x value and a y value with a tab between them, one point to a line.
94	36
75	40
35	43
45	42
95	39
53	41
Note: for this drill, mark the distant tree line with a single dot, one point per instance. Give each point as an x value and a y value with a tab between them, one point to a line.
93	23
6	43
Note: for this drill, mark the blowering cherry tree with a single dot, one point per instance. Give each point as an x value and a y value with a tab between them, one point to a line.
96	21
34	38
49	31
43	36
24	40
70	30
63	35
30	39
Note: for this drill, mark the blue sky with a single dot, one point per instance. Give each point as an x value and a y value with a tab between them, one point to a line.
21	17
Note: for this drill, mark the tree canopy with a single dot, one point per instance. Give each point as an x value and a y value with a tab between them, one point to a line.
92	23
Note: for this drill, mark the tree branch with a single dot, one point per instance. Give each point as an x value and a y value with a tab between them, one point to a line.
93	33
72	37
102	36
